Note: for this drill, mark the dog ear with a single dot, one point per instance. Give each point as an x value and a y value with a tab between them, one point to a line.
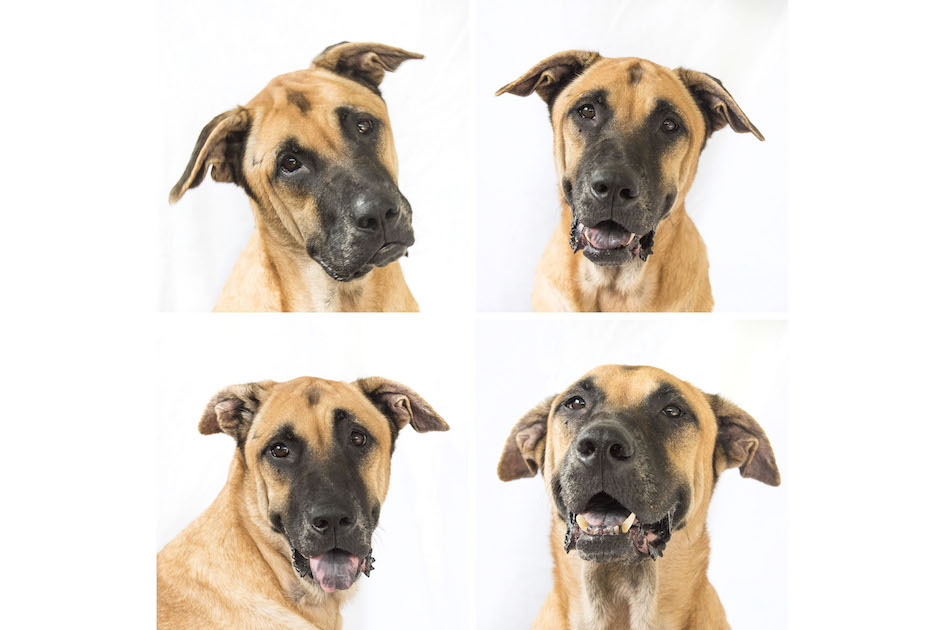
401	405
742	442
220	144
524	449
550	76
717	105
365	63
232	410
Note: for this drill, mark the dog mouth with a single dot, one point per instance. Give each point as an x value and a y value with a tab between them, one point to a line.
605	530
610	242
334	570
388	253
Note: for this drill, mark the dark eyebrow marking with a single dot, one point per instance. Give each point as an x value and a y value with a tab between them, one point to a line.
298	99
665	390
636	73
313	395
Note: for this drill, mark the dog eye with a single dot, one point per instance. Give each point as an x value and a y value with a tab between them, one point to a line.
672	411
290	164
587	111
358	438
279	450
365	126
669	125
575	402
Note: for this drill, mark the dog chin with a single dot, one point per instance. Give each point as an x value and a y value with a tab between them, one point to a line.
381	258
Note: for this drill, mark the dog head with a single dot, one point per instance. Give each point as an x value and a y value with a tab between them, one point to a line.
629	454
627	139
315	153
316	463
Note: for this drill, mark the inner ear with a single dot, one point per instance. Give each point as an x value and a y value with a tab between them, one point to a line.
549	76
366	63
220	145
716	103
524	450
401	405
742	443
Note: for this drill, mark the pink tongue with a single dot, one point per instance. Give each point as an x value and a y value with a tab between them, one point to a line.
604	518
608	237
335	570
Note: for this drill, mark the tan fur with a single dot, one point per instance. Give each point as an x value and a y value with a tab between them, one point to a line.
676	276
228	568
671	593
274	273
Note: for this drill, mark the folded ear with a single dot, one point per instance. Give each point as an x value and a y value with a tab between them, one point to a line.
401	405
550	76
220	144
717	105
233	408
524	449
742	442
363	62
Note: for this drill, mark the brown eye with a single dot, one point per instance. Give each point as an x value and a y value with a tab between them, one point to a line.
290	164
672	411
575	402
669	125
587	111
358	438
365	126
279	450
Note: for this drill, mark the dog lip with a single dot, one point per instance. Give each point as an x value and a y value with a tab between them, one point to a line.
388	253
610	244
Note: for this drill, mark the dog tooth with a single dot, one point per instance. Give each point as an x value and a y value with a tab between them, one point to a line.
582	522
616	529
627	524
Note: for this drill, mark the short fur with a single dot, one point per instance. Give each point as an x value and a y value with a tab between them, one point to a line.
231	568
673	591
676	276
276	270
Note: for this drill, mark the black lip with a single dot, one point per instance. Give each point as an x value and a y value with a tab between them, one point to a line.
388	253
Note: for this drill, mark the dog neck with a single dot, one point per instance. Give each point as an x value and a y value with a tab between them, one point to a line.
674	278
671	592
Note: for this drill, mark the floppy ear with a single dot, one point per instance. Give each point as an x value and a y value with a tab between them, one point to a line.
550	76
742	442
365	63
524	449
401	405
232	410
717	105
219	144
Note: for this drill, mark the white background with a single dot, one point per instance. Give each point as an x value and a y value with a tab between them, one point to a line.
82	165
739	198
423	562
520	362
213	59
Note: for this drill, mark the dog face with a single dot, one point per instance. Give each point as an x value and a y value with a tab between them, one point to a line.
315	152
629	454
316	457
627	139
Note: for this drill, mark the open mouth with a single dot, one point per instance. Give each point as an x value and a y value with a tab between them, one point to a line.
388	253
334	570
610	240
606	530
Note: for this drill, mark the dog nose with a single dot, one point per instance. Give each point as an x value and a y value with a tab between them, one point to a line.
615	186
332	521
605	442
372	214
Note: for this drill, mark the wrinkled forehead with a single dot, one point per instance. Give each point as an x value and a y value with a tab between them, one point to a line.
310	407
632	87
628	386
304	105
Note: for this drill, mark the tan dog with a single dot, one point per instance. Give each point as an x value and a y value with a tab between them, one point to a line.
627	138
315	154
630	457
285	540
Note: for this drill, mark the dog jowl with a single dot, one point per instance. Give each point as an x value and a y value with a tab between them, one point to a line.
314	152
303	498
630	457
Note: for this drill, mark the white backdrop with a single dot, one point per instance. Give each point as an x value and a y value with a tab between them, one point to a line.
522	361
739	197
217	55
423	562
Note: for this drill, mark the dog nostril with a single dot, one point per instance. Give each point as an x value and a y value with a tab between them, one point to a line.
320	525
392	212
585	448
345	522
600	189
367	223
626	194
618	452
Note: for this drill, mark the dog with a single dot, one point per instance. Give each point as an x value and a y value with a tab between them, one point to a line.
286	539
627	138
315	155
630	457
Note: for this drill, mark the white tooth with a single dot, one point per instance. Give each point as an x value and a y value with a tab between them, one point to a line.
627	524
582	522
587	233
616	529
632	235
